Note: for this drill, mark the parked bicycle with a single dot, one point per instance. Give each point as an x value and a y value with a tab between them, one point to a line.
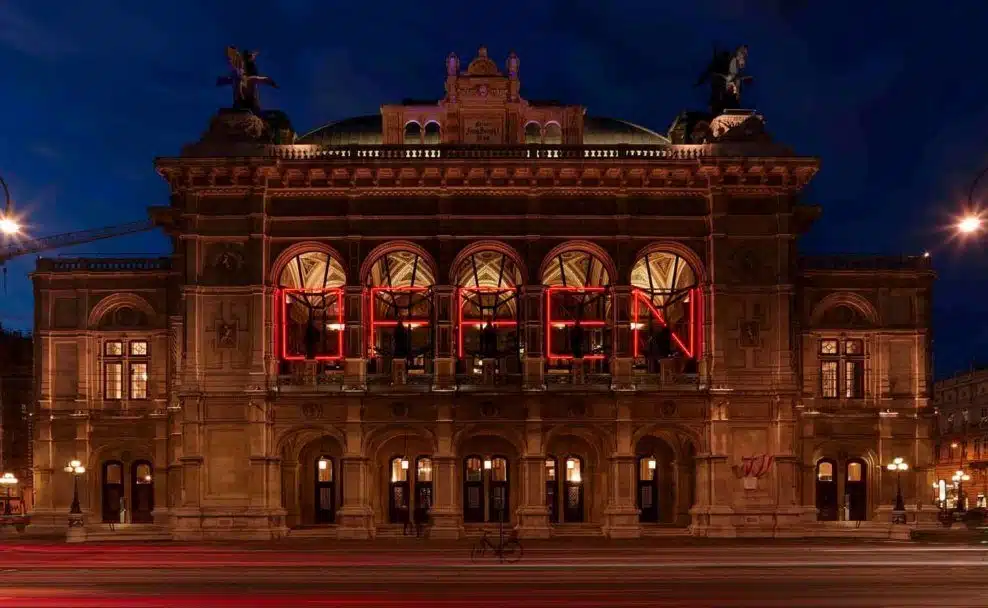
504	548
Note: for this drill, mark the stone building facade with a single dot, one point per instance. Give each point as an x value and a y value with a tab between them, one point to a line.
479	310
960	418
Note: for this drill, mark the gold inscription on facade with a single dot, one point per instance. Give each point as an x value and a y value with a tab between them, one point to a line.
483	131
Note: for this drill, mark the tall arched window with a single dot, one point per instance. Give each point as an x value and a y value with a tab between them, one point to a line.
433	134
310	298
826	491
553	134
400	284
533	133
413	134
487	282
577	307
666	310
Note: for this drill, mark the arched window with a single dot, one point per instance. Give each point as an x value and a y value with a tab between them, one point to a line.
573	491
533	133
488	282
398	496
413	134
400	283
666	310
311	297
113	491
142	493
433	134
578	304
551	489
553	134
826	491
325	491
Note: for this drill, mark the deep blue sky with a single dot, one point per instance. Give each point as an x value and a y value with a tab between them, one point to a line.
889	94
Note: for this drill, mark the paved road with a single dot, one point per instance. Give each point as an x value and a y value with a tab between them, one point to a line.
716	574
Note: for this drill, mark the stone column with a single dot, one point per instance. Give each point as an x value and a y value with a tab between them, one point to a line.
532	333
621	516
356	516
159	456
533	514
713	512
45	518
447	518
290	488
264	514
188	515
355	349
622	338
444	367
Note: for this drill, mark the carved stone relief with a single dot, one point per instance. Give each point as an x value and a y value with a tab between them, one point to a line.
225	264
311	410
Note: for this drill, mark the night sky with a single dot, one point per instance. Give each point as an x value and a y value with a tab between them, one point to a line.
890	95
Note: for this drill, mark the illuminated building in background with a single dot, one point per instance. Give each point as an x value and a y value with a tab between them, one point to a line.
483	309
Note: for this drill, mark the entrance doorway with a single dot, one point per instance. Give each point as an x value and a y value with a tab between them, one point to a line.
826	491
398	494
573	491
856	489
112	491
551	483
142	492
423	489
648	489
325	491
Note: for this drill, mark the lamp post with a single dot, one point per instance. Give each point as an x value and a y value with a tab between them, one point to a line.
7	481
959	478
898	465
76	469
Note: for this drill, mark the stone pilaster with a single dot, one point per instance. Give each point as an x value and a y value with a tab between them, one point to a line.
622	338
356	517
621	516
444	304
447	518
355	353
532	332
533	514
159	455
188	515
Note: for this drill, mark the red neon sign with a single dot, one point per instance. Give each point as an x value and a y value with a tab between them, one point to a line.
691	346
410	323
461	298
282	296
557	324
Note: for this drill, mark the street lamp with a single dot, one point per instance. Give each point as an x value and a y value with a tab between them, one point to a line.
75	512
969	224
8	224
959	478
898	465
7	481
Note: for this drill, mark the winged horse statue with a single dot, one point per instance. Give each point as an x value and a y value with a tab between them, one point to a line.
244	79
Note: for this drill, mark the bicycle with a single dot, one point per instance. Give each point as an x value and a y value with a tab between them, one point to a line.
505	549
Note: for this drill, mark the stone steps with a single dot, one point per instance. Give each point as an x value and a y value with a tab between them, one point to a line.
126	533
570	530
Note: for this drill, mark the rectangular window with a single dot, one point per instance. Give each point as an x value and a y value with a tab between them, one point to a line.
113	349
138	380
113	380
853	379
828	379
138	349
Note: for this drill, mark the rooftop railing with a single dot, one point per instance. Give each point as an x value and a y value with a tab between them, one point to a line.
103	264
865	262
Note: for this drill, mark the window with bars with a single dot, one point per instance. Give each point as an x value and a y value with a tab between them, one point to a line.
132	357
842	368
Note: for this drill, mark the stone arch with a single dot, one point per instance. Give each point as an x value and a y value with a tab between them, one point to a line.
299	447
117	301
855	302
675	248
391	247
841	452
589	446
297	249
375	439
291	441
674	481
680	437
412	132
533	132
552	133
470	431
488	245
595	437
432	132
586	247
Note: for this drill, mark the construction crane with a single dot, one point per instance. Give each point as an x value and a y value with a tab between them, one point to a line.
68	239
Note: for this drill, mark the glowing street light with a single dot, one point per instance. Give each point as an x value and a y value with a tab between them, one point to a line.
76	469
8	224
7	481
898	465
969	224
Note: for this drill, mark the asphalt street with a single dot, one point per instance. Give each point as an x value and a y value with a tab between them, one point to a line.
415	574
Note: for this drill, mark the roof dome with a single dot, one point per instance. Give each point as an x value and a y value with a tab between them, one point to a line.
366	130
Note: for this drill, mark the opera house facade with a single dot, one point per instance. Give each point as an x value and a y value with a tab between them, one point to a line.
482	311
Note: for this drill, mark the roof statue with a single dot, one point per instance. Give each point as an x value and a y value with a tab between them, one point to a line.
725	74
244	79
